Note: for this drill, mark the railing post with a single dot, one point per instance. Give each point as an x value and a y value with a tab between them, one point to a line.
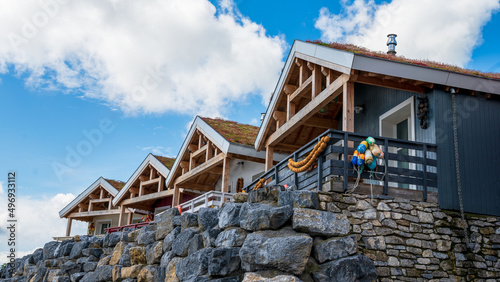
425	172
320	169
206	200
192	206
386	160
295	175
346	160
276	177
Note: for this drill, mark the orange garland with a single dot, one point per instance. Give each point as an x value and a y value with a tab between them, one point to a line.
303	165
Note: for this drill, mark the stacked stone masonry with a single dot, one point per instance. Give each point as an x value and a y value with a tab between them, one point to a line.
275	235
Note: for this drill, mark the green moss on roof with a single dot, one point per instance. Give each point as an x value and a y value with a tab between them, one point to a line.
115	183
234	132
425	63
168	162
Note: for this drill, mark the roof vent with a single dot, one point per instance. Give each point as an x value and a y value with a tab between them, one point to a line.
391	44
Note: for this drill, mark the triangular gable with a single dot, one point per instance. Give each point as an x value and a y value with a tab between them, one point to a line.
101	182
157	164
338	61
199	127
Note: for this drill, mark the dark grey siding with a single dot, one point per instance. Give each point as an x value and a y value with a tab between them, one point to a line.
379	100
478	122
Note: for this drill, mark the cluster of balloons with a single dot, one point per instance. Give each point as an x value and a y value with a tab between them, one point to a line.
366	154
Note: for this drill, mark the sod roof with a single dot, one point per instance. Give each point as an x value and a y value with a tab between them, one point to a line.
115	183
425	63
168	162
234	132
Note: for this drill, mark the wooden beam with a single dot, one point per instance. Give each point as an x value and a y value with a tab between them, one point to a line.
90	206
99	201
122	212
143	178
110	203
151	172
298	62
200	169
101	194
92	196
192	147
226	165
200	140
348	107
192	162
129	219
304	88
269	157
76	215
68	226
151	181
321	123
290	108
199	152
133	190
326	96
316	81
389	84
289	88
280	118
161	183
177	195
148	197
310	66
287	147
209	154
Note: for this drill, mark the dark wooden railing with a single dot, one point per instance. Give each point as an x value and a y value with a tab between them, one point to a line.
332	162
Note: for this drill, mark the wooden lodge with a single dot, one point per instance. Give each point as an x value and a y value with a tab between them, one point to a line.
217	155
145	190
94	205
407	105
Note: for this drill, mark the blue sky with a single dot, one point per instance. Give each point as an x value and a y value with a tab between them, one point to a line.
43	117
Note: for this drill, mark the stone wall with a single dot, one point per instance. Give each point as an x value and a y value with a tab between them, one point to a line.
275	235
411	241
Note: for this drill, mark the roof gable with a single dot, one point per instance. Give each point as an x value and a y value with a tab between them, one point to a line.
234	132
149	160
347	62
100	182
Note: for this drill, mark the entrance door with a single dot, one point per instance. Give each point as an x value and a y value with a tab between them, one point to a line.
399	123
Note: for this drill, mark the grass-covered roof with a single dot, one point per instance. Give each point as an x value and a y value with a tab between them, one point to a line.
234	132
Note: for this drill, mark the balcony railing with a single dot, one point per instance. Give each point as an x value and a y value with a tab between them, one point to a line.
209	199
408	164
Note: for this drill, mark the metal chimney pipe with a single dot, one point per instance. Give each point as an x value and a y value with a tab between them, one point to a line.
391	44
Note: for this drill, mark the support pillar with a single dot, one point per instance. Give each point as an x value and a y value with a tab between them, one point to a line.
68	226
120	218
348	107
130	217
177	195
269	159
225	175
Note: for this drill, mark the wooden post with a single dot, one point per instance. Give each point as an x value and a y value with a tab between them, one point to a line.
348	107
225	174
68	226
141	189
161	183
209	151
269	159
101	194
130	216
90	205
151	172
110	204
177	195
316	81
122	212
290	108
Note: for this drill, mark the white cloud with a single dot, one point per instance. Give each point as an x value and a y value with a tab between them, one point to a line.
37	222
159	150
437	30
183	56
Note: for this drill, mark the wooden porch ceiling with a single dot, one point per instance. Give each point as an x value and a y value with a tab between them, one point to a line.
145	202
299	116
